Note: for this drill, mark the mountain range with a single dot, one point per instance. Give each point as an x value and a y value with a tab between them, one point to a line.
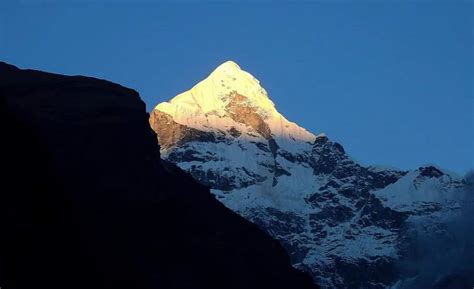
87	202
92	198
346	224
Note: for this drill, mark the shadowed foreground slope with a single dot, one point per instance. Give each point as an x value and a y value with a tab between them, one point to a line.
80	205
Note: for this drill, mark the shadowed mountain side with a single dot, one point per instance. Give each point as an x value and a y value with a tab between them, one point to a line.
86	201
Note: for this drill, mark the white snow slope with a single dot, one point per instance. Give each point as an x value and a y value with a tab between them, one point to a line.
342	222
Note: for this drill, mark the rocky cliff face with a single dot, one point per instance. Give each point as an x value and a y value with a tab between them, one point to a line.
348	225
86	201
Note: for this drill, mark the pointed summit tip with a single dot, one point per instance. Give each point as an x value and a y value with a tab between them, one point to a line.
228	66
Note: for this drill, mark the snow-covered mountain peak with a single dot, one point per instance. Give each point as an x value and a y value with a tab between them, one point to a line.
229	67
345	223
213	94
231	99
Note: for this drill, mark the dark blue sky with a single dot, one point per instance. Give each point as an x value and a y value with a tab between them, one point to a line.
391	81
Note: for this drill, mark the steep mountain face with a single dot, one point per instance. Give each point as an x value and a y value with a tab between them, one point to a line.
348	225
86	201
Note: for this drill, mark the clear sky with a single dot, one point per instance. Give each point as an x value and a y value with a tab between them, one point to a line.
390	80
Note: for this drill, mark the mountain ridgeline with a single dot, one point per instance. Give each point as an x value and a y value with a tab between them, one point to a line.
86	201
348	225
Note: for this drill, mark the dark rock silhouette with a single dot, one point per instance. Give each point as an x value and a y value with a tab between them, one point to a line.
86	201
